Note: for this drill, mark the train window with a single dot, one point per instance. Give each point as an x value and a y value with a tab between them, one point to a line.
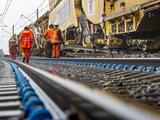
121	26
129	25
122	3
112	4
71	32
113	27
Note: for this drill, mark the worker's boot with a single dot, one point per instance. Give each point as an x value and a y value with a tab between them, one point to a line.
27	61
24	60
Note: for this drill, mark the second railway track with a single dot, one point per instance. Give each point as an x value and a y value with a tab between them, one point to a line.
140	82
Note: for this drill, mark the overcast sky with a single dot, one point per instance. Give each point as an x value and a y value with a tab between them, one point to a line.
13	17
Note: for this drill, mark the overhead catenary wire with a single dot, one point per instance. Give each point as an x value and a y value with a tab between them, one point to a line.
41	4
3	25
31	18
17	27
33	15
43	9
54	5
18	21
7	6
20	26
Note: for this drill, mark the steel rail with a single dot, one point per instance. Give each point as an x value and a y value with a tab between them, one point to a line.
56	113
133	61
96	105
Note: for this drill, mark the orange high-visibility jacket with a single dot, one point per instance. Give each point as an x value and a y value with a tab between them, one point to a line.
26	37
57	38
49	34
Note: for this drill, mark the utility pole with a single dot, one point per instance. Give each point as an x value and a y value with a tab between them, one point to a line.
13	37
37	18
37	13
13	29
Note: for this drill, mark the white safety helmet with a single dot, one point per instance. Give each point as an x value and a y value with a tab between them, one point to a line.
56	23
13	41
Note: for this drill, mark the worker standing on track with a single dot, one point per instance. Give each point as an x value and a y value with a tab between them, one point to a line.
48	35
13	49
26	37
56	41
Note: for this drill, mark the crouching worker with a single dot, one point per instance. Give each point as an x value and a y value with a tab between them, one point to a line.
26	37
13	48
57	40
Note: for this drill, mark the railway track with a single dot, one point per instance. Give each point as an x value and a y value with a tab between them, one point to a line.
155	62
81	52
64	99
139	81
10	105
108	54
19	99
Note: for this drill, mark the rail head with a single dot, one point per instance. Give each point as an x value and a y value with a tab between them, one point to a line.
54	110
81	96
130	61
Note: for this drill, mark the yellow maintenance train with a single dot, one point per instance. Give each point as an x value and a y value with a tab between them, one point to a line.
134	23
122	24
79	20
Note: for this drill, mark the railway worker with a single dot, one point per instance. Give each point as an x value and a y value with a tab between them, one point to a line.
48	35
57	41
13	48
26	37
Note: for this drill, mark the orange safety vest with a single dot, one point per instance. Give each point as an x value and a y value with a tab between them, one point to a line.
55	39
26	37
49	34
